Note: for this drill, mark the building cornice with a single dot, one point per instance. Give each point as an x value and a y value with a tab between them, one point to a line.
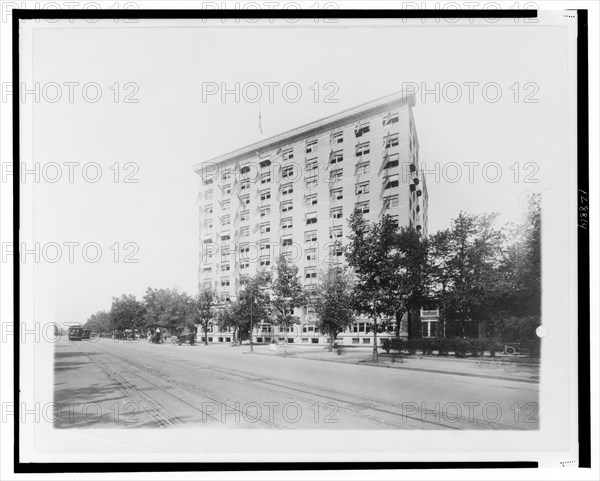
354	114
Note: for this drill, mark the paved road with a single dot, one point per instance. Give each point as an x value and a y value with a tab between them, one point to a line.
137	384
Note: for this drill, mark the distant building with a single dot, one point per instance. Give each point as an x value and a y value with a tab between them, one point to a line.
293	192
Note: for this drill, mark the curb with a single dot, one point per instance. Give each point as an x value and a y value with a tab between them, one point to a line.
435	371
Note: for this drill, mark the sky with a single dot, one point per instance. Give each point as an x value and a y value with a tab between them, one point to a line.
517	124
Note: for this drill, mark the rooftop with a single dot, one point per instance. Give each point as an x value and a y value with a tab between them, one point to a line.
331	122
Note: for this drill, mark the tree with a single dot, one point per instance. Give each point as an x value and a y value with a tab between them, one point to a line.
253	303
413	276
333	303
467	268
126	312
98	322
168	309
288	294
205	309
371	255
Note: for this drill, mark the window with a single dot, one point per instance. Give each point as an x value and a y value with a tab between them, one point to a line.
390	141
311	146
287	223
336	213
224	298
209	209
245	231
362	188
265	195
265	211
363	168
287	206
225	236
226	220
336	250
226	204
314	340
311	199
265	249
311	183
391	161
363	207
310	273
336	175
311	218
288	189
311	168
208	194
335	232
336	157
264	163
366	340
265	228
208	223
311	254
264	262
395	220
245	215
245	169
207	240
355	340
225	256
287	171
391	181
207	270
310	236
286	241
337	138
265	178
337	194
288	154
244	265
225	268
227	189
207	284
208	181
362	129
391	118
391	201
244	184
225	282
363	149
245	199
226	176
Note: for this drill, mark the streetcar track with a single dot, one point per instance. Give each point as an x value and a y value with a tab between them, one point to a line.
275	385
269	424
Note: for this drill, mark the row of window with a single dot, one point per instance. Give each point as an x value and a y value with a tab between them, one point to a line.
311	147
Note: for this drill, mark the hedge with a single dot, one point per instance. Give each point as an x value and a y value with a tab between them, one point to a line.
460	347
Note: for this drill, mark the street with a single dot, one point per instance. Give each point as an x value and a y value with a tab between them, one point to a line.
131	384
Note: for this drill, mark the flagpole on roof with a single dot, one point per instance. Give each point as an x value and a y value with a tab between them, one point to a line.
259	119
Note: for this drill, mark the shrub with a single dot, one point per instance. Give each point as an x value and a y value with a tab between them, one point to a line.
386	345
462	347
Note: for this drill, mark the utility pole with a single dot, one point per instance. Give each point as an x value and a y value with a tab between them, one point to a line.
251	326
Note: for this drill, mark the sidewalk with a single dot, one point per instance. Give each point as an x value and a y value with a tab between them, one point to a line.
505	368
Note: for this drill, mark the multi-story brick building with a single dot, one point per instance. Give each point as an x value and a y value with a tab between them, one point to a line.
294	192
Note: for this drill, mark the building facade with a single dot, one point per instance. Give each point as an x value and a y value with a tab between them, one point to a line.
294	192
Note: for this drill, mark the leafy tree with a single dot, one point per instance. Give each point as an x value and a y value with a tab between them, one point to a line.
98	322
169	309
126	312
228	317
371	255
253	303
205	304
333	302
288	294
412	283
467	268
